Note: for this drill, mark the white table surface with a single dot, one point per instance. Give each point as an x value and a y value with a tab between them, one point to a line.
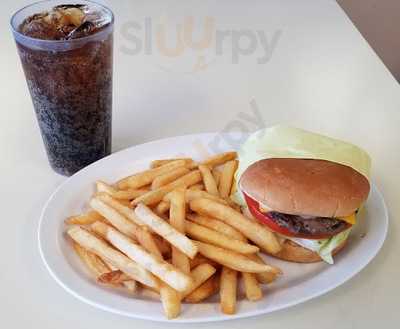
322	76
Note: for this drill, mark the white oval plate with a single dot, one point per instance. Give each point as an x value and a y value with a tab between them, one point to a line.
300	282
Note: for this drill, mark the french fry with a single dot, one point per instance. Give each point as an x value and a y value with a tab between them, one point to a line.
170	298
156	196
168	177
199	275
146	177
96	266
122	209
233	259
228	290
165	230
130	194
126	203
162	207
210	236
219	159
113	277
251	286
217	225
208	180
177	220
197	187
148	292
217	175
126	226
225	184
171	301
200	259
207	289
255	232
189	163
263	277
116	258
160	268
192	195
86	219
115	218
163	246
130	285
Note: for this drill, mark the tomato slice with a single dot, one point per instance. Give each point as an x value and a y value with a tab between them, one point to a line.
265	219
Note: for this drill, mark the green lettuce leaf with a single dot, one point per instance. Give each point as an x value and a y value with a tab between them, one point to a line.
323	247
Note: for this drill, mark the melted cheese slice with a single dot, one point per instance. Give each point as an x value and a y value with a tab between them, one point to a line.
351	219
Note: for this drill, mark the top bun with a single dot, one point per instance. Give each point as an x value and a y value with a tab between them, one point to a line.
305	187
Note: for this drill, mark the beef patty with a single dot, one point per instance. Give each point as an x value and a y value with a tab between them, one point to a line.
308	225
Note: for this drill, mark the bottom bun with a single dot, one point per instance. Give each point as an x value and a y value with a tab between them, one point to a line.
292	252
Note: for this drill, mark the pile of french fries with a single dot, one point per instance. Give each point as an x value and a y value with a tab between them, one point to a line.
173	230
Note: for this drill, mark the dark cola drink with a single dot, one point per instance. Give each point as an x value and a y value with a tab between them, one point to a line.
66	50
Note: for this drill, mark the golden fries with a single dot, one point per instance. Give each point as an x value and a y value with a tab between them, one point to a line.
191	244
255	232
126	226
116	258
219	159
200	259
96	266
207	289
207	235
146	177
155	196
177	220
163	246
233	259
101	270
226	179
121	208
189	163
217	225
85	219
228	288
208	180
217	175
130	285
162	207
171	301
160	268
113	277
192	195
168	177
251	286
197	187
197	194
199	274
165	230
103	187
263	277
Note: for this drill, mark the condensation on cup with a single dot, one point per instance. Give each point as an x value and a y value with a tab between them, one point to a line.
66	50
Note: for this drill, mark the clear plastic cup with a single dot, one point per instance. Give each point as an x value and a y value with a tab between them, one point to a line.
70	82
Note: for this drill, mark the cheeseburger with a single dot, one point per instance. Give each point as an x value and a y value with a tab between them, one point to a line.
310	203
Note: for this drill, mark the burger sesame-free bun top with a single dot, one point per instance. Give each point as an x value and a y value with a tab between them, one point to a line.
305	187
